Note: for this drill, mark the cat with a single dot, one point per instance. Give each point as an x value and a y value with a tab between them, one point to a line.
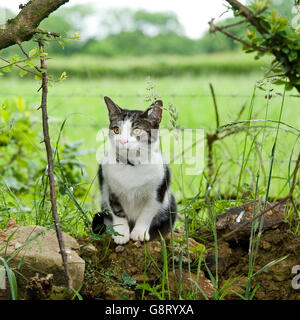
135	183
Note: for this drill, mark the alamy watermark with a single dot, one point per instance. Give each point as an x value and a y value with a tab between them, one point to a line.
178	146
296	279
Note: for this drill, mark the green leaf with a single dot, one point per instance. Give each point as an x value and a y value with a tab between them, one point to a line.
7	69
63	77
22	73
293	55
32	52
38	77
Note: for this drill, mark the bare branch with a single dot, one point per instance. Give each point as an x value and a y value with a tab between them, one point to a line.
50	165
27	55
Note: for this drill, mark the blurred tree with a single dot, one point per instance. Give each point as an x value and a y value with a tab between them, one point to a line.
153	23
115	21
68	20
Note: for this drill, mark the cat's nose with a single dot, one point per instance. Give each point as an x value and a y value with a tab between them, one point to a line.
123	141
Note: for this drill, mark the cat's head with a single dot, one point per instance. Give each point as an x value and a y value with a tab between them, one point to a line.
131	130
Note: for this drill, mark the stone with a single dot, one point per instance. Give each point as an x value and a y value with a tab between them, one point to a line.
119	249
35	249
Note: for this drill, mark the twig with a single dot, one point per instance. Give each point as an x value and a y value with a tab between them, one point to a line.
18	66
50	165
27	55
249	15
48	33
213	28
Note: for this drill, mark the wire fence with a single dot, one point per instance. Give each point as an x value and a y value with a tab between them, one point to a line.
137	95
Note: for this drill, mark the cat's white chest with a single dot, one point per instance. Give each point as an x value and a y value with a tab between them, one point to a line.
132	178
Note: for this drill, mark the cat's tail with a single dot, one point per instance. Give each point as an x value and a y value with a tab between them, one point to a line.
100	221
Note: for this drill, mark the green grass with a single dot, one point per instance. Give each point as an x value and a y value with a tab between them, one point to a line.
91	67
81	104
237	157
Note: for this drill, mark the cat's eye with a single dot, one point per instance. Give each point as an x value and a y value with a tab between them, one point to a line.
137	131
116	130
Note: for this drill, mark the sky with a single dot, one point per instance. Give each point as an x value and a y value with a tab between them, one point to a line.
193	15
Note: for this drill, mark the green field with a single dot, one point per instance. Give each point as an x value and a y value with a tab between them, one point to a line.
80	102
91	67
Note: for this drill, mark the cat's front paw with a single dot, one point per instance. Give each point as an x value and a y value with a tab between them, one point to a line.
140	234
123	236
121	239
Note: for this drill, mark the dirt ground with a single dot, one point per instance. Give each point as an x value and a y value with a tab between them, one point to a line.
112	272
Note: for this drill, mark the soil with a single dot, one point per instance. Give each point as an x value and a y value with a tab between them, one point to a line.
275	283
112	271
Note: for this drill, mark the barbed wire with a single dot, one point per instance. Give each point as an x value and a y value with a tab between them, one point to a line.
137	95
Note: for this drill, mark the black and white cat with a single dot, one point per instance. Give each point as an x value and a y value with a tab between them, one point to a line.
134	180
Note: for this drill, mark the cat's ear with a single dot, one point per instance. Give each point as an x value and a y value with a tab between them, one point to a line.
113	108
154	112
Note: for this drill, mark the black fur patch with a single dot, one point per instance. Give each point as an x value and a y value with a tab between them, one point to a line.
164	219
161	190
100	176
98	225
115	205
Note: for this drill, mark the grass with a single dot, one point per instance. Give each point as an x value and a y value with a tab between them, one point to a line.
77	111
81	104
